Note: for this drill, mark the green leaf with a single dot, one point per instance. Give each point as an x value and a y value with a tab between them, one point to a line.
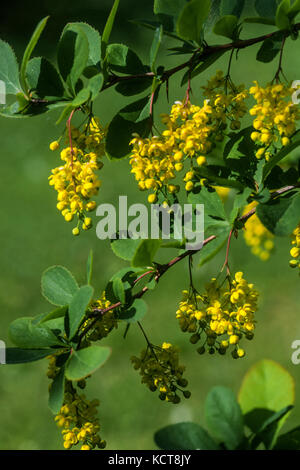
191	20
95	85
264	423
210	172
224	417
78	307
56	392
94	41
137	111
57	325
118	289
25	334
240	201
281	215
289	441
125	248
145	253
266	8
212	202
133	118
169	7
72	54
9	70
280	155
184	436
81	98
57	313
108	27
282	19
294	10
267	385
232	7
123	59
135	312
43	78
227	26
158	35
269	50
85	361
20	356
213	16
29	50
239	144
89	267
58	285
221	231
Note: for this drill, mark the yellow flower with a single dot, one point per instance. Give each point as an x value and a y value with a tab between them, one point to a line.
160	370
222	316
76	181
54	145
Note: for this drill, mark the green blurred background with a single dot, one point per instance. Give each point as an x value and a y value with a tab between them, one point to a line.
33	236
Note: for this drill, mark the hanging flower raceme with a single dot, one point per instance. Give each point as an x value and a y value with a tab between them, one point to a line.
190	135
227	102
156	161
295	251
221	316
160	370
275	117
105	322
78	416
76	181
257	236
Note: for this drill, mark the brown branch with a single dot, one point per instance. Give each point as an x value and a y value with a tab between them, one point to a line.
276	193
162	269
197	57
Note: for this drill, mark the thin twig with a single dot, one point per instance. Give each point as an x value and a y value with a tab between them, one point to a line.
196	58
162	269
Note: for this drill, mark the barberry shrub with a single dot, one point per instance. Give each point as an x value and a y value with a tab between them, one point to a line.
232	152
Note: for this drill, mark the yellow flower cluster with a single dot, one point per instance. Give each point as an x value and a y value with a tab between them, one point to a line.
295	251
190	134
257	236
160	370
222	315
78	418
53	370
156	161
76	181
104	324
275	116
227	102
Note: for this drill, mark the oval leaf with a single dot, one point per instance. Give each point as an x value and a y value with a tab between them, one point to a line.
9	70
25	334
224	417
20	356
85	361
58	285
267	385
78	307
184	436
56	392
191	19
